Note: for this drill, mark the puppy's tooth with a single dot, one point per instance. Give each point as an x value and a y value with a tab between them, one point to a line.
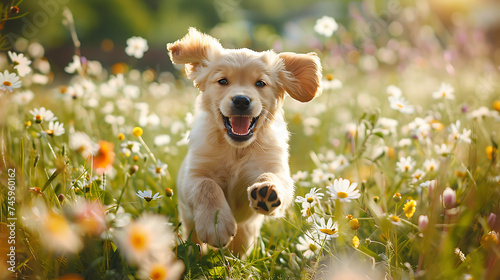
263	205
273	196
254	193
263	191
276	204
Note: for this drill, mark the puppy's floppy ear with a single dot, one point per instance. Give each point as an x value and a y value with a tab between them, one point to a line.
302	77
195	50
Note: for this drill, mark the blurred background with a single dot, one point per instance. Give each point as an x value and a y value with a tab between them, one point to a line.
284	25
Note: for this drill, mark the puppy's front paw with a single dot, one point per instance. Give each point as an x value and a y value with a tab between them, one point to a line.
264	197
215	228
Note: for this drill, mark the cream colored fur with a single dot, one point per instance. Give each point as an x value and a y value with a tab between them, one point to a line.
223	184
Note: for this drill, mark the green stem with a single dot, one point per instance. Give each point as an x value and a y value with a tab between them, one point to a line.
127	176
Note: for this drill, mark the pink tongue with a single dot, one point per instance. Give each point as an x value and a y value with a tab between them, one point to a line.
240	125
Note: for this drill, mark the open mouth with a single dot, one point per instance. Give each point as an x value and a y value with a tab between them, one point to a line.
240	128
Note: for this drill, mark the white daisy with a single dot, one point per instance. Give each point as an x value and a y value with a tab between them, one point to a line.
21	63
442	150
479	114
405	142
308	245
136	47
151	120
455	130
465	136
431	165
158	169
162	140
9	81
300	176
148	195
310	199
130	147
75	66
339	163
327	230
405	164
417	175
158	90
131	91
326	26
23	97
55	129
400	104
42	114
343	190
393	90
81	143
386	126
318	176
445	91
147	237
331	84
163	267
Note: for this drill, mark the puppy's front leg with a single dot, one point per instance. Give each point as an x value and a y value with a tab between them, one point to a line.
213	219
271	194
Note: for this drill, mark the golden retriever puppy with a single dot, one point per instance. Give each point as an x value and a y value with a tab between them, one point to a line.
236	169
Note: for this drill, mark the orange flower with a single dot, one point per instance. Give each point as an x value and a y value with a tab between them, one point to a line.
104	157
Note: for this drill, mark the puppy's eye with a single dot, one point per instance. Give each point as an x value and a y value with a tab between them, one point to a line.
260	84
223	82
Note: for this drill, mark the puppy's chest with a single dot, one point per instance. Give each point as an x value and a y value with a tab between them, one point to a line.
234	176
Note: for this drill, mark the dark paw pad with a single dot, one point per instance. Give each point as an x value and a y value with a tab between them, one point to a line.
264	198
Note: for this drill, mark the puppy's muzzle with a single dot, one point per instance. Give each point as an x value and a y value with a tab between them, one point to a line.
240	125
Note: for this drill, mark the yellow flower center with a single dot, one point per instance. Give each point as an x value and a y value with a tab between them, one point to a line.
158	169
49	132
57	225
328	231
158	272
407	167
7	83
313	247
38	118
401	106
138	238
342	195
310	199
395	218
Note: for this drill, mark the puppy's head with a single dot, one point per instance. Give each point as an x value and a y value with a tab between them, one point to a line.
243	90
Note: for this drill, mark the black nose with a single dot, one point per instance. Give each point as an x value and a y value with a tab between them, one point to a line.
241	102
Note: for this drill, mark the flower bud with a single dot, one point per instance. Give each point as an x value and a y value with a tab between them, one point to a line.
354	224
355	242
491	220
449	198
376	199
423	222
396	197
169	192
137	131
61	197
133	169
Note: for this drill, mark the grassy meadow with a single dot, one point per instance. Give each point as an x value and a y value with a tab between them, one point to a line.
396	163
